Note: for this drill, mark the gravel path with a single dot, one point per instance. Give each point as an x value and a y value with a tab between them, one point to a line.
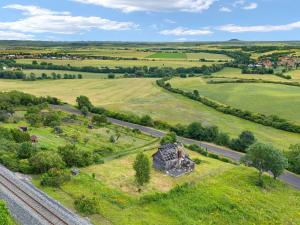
288	177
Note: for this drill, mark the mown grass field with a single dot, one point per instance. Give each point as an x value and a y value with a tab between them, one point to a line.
142	96
168	55
217	192
124	63
269	99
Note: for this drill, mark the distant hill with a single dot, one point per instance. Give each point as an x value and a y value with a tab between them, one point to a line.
235	40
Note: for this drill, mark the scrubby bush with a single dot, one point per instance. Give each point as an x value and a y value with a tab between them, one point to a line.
55	178
20	136
45	160
99	119
73	156
52	119
169	138
293	156
86	205
25	150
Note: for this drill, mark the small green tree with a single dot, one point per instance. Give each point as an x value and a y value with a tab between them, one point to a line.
169	138
142	169
84	101
293	156
264	158
99	119
25	150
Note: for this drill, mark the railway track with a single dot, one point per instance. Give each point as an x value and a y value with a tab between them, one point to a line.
46	213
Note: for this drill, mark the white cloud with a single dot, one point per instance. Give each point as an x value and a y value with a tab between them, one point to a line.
250	6
153	5
225	9
181	31
34	10
169	21
261	28
8	35
39	20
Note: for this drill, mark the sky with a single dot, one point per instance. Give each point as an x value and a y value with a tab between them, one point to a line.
150	20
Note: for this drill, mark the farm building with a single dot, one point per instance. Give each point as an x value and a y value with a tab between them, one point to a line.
172	159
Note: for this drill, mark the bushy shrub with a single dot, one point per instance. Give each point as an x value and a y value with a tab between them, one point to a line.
73	156
25	150
55	178
86	205
169	138
45	160
20	136
197	161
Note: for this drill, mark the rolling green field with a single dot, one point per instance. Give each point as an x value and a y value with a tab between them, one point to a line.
269	99
217	192
123	63
168	55
142	96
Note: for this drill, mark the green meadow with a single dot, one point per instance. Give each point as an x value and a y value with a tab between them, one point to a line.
168	55
217	192
269	99
143	96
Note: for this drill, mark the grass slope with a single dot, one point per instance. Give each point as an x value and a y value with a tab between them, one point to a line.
269	99
228	196
142	96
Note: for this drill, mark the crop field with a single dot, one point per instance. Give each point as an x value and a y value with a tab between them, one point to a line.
85	75
207	56
123	63
168	55
236	73
269	99
129	53
142	96
217	189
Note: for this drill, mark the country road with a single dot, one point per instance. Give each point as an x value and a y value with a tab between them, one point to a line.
287	177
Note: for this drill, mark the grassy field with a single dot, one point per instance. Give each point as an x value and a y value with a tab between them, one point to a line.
236	73
87	139
142	96
207	56
123	63
269	99
85	75
168	55
217	192
295	74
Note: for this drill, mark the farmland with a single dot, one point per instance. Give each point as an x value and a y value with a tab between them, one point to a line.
142	96
217	191
269	99
123	63
175	55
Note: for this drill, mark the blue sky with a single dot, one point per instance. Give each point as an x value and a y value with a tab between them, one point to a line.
149	20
